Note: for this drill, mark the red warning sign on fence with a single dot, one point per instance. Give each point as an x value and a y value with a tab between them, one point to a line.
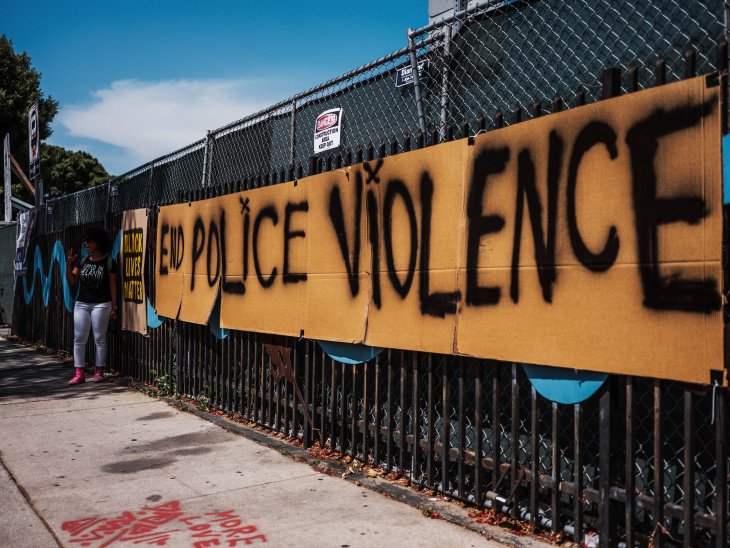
328	130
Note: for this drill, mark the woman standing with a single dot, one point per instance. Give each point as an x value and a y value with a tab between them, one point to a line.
97	300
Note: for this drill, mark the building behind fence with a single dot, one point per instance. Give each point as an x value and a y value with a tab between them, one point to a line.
642	461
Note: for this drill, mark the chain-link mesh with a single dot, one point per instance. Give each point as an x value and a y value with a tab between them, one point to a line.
498	58
179	172
253	147
155	183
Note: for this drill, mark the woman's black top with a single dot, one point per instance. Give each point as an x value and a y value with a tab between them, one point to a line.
94	278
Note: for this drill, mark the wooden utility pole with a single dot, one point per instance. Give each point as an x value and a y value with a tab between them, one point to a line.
19	172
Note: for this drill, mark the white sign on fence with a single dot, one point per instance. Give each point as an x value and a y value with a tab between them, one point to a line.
34	141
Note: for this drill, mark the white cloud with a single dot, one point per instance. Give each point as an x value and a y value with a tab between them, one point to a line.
150	119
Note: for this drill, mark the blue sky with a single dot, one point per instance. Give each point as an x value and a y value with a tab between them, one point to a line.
138	79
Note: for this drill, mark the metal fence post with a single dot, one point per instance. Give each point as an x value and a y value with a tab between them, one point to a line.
416	82
107	220
721	456
149	186
206	159
606	466
292	139
445	82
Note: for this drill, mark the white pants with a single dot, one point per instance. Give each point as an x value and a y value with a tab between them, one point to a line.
95	316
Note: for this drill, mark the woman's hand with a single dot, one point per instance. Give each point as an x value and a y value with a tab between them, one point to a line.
113	315
71	272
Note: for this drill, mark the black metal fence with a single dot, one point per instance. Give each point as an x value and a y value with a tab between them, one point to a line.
644	461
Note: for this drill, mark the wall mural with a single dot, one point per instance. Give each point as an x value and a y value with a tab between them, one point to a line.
59	255
589	239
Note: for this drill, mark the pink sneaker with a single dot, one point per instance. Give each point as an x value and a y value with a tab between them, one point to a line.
99	374
79	378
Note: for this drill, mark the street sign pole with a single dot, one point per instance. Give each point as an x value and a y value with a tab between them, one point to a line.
6	178
34	146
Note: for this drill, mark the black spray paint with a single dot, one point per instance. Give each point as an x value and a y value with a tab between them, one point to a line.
289	210
269	212
488	162
595	133
397	188
666	292
432	304
661	291
527	191
337	217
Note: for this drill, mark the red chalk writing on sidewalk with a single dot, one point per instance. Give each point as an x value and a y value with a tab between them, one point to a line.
155	525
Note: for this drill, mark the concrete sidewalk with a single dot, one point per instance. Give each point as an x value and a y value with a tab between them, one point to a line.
102	465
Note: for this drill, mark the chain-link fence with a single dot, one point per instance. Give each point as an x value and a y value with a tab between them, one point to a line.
494	64
641	461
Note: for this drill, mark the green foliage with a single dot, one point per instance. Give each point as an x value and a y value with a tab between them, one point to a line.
62	171
65	171
165	384
204	398
180	406
20	87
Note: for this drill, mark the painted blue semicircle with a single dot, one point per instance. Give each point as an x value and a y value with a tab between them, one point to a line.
153	320
349	353
564	385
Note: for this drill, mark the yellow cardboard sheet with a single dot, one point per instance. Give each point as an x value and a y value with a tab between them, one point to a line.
589	239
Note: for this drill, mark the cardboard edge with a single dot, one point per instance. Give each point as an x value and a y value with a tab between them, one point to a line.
214	302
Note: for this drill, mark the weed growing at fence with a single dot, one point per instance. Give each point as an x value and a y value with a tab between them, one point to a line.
204	398
430	513
179	405
166	384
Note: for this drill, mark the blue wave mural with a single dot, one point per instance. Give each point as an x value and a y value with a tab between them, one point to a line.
59	255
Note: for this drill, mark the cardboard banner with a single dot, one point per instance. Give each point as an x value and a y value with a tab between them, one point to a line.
134	300
27	227
589	239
